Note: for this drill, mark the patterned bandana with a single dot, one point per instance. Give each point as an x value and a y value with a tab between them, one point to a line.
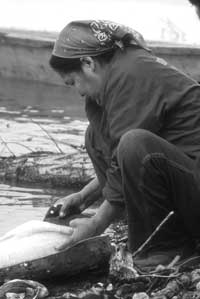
91	38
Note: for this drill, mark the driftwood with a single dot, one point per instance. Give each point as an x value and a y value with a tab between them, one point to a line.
65	170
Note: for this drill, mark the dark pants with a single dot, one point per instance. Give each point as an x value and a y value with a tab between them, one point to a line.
156	178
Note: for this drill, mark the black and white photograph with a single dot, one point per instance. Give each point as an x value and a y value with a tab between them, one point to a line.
100	149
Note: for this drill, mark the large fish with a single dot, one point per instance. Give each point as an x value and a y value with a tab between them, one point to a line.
29	251
31	240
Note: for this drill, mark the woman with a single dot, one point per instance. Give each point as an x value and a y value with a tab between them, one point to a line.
143	138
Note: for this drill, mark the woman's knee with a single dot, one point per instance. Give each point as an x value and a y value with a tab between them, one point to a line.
136	138
135	143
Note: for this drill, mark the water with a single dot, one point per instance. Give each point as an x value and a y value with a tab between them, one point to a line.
32	115
37	99
19	204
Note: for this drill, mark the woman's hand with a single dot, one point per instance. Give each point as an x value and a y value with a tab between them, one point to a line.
83	229
70	204
77	202
86	228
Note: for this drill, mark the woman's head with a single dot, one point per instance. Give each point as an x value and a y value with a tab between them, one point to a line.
85	74
67	65
84	49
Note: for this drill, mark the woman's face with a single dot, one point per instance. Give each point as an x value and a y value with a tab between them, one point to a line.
87	81
82	84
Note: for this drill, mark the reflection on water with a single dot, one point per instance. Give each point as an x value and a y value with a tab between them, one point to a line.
39	117
35	117
21	204
38	99
21	135
12	216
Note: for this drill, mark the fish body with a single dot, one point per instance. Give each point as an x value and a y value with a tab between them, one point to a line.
31	240
29	252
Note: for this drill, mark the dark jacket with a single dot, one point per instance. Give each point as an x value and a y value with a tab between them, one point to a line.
144	91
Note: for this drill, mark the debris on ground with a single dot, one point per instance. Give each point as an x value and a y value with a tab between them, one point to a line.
123	281
23	289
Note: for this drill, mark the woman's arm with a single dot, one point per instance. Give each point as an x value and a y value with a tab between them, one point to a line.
86	228
77	202
90	187
90	193
106	214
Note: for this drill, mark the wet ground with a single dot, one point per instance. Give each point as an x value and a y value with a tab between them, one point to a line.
35	117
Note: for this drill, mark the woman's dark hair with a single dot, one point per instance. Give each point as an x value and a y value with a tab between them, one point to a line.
67	65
